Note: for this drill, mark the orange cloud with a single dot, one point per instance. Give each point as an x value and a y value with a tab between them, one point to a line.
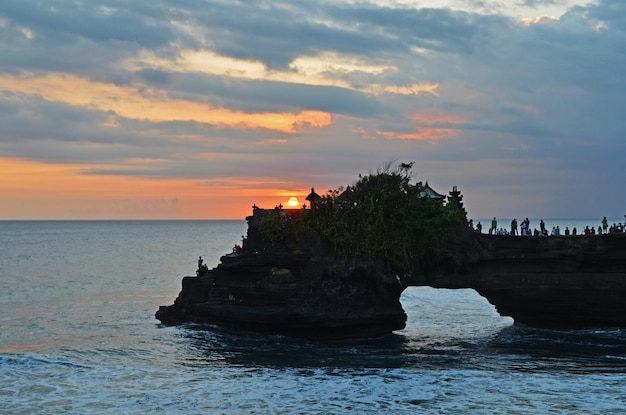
429	127
422	134
436	118
151	104
530	21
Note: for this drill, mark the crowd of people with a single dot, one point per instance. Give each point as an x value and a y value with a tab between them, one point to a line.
524	228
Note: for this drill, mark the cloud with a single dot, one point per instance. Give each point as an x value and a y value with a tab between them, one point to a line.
528	21
289	94
142	22
153	105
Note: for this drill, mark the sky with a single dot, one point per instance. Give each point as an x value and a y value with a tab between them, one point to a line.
200	109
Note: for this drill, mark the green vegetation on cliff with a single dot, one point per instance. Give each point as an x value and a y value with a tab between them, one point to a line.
382	215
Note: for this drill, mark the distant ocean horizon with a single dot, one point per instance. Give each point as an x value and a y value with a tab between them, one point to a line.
502	222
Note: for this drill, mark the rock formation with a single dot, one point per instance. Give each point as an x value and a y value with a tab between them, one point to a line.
552	282
298	289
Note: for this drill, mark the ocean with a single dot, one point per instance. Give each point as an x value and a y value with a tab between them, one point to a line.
78	336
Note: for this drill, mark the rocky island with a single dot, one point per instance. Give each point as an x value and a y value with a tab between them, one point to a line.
337	268
297	290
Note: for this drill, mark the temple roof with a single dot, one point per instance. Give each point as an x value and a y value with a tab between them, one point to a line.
428	191
313	197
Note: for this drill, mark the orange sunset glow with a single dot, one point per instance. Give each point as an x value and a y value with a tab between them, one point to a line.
73	195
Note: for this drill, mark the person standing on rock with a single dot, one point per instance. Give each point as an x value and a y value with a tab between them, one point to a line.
200	261
514	227
605	225
494	226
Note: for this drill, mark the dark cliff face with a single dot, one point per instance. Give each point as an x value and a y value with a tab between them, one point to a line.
297	288
555	282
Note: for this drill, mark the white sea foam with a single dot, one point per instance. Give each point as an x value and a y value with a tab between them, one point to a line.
35	384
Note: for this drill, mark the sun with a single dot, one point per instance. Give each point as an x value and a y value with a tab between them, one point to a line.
293	202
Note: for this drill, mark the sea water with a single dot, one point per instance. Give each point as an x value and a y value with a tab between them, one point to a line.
78	336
